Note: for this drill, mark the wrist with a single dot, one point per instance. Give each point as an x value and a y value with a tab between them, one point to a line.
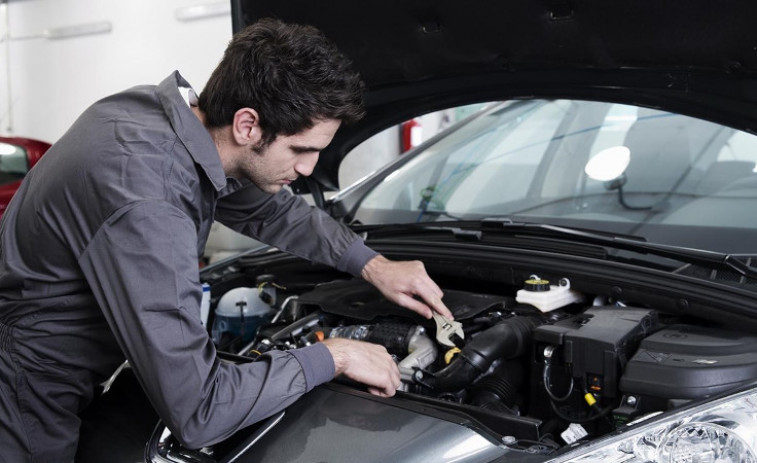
371	268
338	355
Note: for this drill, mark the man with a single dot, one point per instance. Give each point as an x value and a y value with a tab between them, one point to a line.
99	247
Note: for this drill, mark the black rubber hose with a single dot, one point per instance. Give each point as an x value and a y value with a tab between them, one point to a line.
507	339
499	390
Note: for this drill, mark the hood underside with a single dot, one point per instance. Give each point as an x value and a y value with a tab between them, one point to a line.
697	57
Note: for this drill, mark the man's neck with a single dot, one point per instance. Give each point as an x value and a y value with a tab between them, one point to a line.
222	138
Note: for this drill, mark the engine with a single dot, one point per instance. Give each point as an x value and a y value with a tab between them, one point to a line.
543	366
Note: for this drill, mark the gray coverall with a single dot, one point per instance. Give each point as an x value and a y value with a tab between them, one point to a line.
99	255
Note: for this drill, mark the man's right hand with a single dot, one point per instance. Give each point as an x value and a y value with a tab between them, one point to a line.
365	363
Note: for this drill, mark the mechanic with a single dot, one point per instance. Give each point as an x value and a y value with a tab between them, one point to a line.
100	247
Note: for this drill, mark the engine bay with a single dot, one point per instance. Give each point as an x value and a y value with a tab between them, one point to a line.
542	364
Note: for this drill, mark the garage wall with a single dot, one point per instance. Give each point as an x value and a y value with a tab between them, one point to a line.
46	83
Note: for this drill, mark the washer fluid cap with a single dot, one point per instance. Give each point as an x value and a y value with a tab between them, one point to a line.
242	300
536	285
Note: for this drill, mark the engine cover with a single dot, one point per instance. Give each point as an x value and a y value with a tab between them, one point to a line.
690	362
597	343
359	300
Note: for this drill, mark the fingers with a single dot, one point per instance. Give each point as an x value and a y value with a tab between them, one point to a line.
406	283
381	392
366	363
423	294
432	298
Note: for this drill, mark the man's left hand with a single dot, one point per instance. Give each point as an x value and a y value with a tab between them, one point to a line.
406	283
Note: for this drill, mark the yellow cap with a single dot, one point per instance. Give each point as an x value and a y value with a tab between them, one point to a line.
450	355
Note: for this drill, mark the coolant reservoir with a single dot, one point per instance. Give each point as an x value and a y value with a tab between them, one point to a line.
241	311
546	297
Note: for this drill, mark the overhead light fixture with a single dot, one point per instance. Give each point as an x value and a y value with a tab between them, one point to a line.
207	10
100	27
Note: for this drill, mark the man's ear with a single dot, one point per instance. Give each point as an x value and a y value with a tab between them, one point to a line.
246	127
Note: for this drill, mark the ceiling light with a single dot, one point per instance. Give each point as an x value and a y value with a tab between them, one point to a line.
190	13
65	32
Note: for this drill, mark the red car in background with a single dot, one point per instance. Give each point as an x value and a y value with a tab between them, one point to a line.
17	156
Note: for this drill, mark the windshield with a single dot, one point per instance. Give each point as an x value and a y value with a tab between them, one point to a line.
664	176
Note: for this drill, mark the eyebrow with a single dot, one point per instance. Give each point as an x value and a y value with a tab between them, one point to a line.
304	149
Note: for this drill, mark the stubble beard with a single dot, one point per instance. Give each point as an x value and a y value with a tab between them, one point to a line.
257	177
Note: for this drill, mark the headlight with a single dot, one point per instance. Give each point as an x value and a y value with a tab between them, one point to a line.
721	431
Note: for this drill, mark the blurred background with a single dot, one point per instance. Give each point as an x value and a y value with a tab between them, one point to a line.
57	57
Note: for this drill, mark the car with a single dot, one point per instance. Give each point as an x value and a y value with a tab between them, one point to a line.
17	156
592	227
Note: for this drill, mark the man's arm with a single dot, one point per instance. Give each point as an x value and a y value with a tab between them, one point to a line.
142	269
290	224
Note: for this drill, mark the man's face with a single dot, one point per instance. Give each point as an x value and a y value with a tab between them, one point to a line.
287	157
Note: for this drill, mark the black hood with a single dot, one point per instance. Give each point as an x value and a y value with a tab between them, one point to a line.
695	57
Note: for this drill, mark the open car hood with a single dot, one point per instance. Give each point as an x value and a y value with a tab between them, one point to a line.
694	57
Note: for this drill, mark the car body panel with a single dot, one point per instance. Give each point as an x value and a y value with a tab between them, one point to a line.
310	428
27	152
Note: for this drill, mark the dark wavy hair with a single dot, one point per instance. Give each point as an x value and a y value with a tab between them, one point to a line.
292	75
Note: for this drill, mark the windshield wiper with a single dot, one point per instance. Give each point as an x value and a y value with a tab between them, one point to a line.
629	243
436	214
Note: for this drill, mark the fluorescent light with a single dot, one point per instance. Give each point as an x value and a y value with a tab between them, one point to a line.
100	27
207	10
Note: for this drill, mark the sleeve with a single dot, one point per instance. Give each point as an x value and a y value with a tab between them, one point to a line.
142	269
289	223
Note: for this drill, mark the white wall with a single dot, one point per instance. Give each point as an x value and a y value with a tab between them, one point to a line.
52	81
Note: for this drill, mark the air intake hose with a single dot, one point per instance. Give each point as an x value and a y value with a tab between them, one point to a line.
507	339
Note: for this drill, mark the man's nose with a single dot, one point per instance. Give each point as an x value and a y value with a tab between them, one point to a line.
306	163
